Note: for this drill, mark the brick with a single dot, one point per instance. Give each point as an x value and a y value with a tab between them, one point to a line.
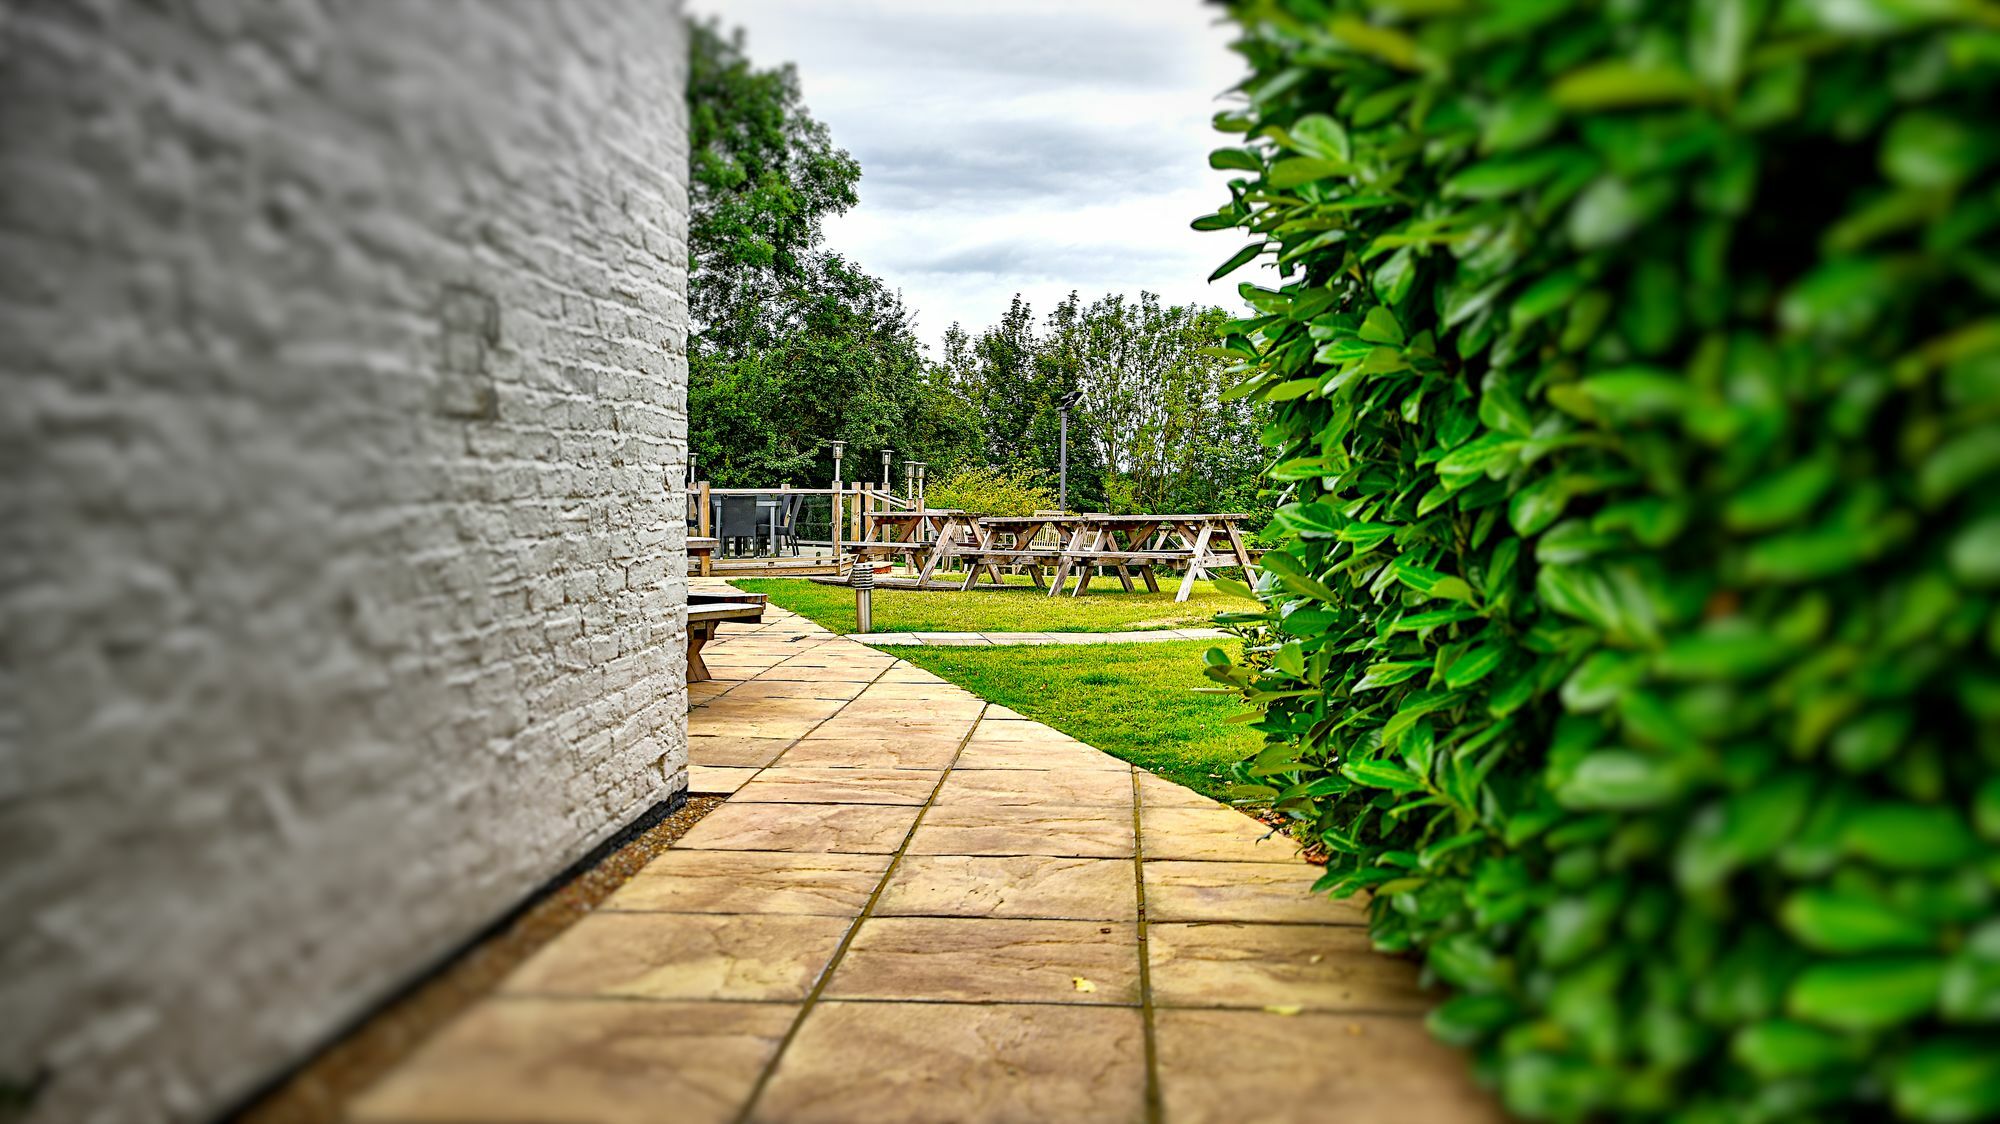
340	587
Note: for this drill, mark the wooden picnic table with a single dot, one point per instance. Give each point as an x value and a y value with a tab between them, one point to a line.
1181	540
901	534
1009	540
985	543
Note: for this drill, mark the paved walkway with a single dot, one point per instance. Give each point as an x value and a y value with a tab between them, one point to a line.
962	639
919	907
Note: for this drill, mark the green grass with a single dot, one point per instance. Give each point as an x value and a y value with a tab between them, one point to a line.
1018	607
1133	701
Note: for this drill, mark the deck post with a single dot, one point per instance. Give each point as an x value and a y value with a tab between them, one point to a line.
701	525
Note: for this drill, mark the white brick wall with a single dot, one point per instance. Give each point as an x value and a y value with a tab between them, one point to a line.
341	591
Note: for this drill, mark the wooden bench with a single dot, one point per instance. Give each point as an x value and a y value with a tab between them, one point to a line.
1120	562
701	552
977	557
706	613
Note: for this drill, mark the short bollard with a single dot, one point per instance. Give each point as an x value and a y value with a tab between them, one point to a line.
862	578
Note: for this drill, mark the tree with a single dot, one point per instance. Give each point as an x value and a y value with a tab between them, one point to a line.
1152	394
793	346
1152	432
763	175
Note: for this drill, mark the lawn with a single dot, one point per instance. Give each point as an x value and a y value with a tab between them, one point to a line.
1018	607
1133	701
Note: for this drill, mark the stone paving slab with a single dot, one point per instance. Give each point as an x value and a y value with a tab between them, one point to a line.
683	956
920	1063
919	907
1369	1069
680	881
610	1061
989	960
1044	886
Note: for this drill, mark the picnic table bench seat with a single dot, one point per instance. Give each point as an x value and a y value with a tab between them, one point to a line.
989	558
1002	553
706	612
1112	556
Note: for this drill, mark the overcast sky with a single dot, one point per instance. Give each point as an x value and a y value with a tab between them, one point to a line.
1031	146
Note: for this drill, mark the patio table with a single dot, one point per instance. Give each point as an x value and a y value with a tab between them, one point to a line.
1182	540
1009	540
901	534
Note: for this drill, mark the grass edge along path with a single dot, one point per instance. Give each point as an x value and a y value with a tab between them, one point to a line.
1136	702
1017	608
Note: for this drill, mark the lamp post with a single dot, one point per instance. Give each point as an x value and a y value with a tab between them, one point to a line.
839	504
922	467
1067	402
885	470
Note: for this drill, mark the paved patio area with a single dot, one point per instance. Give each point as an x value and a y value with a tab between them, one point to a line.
920	907
964	639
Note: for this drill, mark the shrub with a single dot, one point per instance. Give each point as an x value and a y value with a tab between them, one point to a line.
992	491
1636	377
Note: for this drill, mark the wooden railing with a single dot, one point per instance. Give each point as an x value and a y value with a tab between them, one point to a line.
846	514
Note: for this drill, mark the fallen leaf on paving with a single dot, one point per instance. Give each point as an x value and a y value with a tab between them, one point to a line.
1082	984
1285	1009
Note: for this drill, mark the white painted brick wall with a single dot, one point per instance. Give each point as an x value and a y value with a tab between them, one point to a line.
341	588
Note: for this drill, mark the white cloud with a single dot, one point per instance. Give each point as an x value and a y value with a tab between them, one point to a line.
1035	146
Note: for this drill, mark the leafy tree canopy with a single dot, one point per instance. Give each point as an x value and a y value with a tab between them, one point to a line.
763	175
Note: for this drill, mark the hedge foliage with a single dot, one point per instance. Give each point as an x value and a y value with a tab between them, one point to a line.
1636	374
983	490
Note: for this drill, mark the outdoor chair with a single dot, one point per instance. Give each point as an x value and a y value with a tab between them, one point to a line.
785	525
738	520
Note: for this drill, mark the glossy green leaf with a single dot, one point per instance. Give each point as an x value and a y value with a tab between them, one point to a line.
1778	1048
1621	779
1954	1078
1908	836
1870	993
1924	148
1301	170
1846	922
1617	85
1237	261
1235	159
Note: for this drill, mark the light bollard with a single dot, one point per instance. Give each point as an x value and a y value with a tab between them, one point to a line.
862	578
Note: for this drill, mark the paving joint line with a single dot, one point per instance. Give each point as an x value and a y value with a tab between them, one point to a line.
642	1000
867	910
1155	1106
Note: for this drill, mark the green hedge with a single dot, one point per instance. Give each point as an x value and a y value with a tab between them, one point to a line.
1636	374
993	491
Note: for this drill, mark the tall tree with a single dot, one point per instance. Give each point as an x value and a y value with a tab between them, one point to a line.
793	346
764	175
1151	432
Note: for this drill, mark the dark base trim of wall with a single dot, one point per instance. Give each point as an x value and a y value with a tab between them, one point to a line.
609	846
